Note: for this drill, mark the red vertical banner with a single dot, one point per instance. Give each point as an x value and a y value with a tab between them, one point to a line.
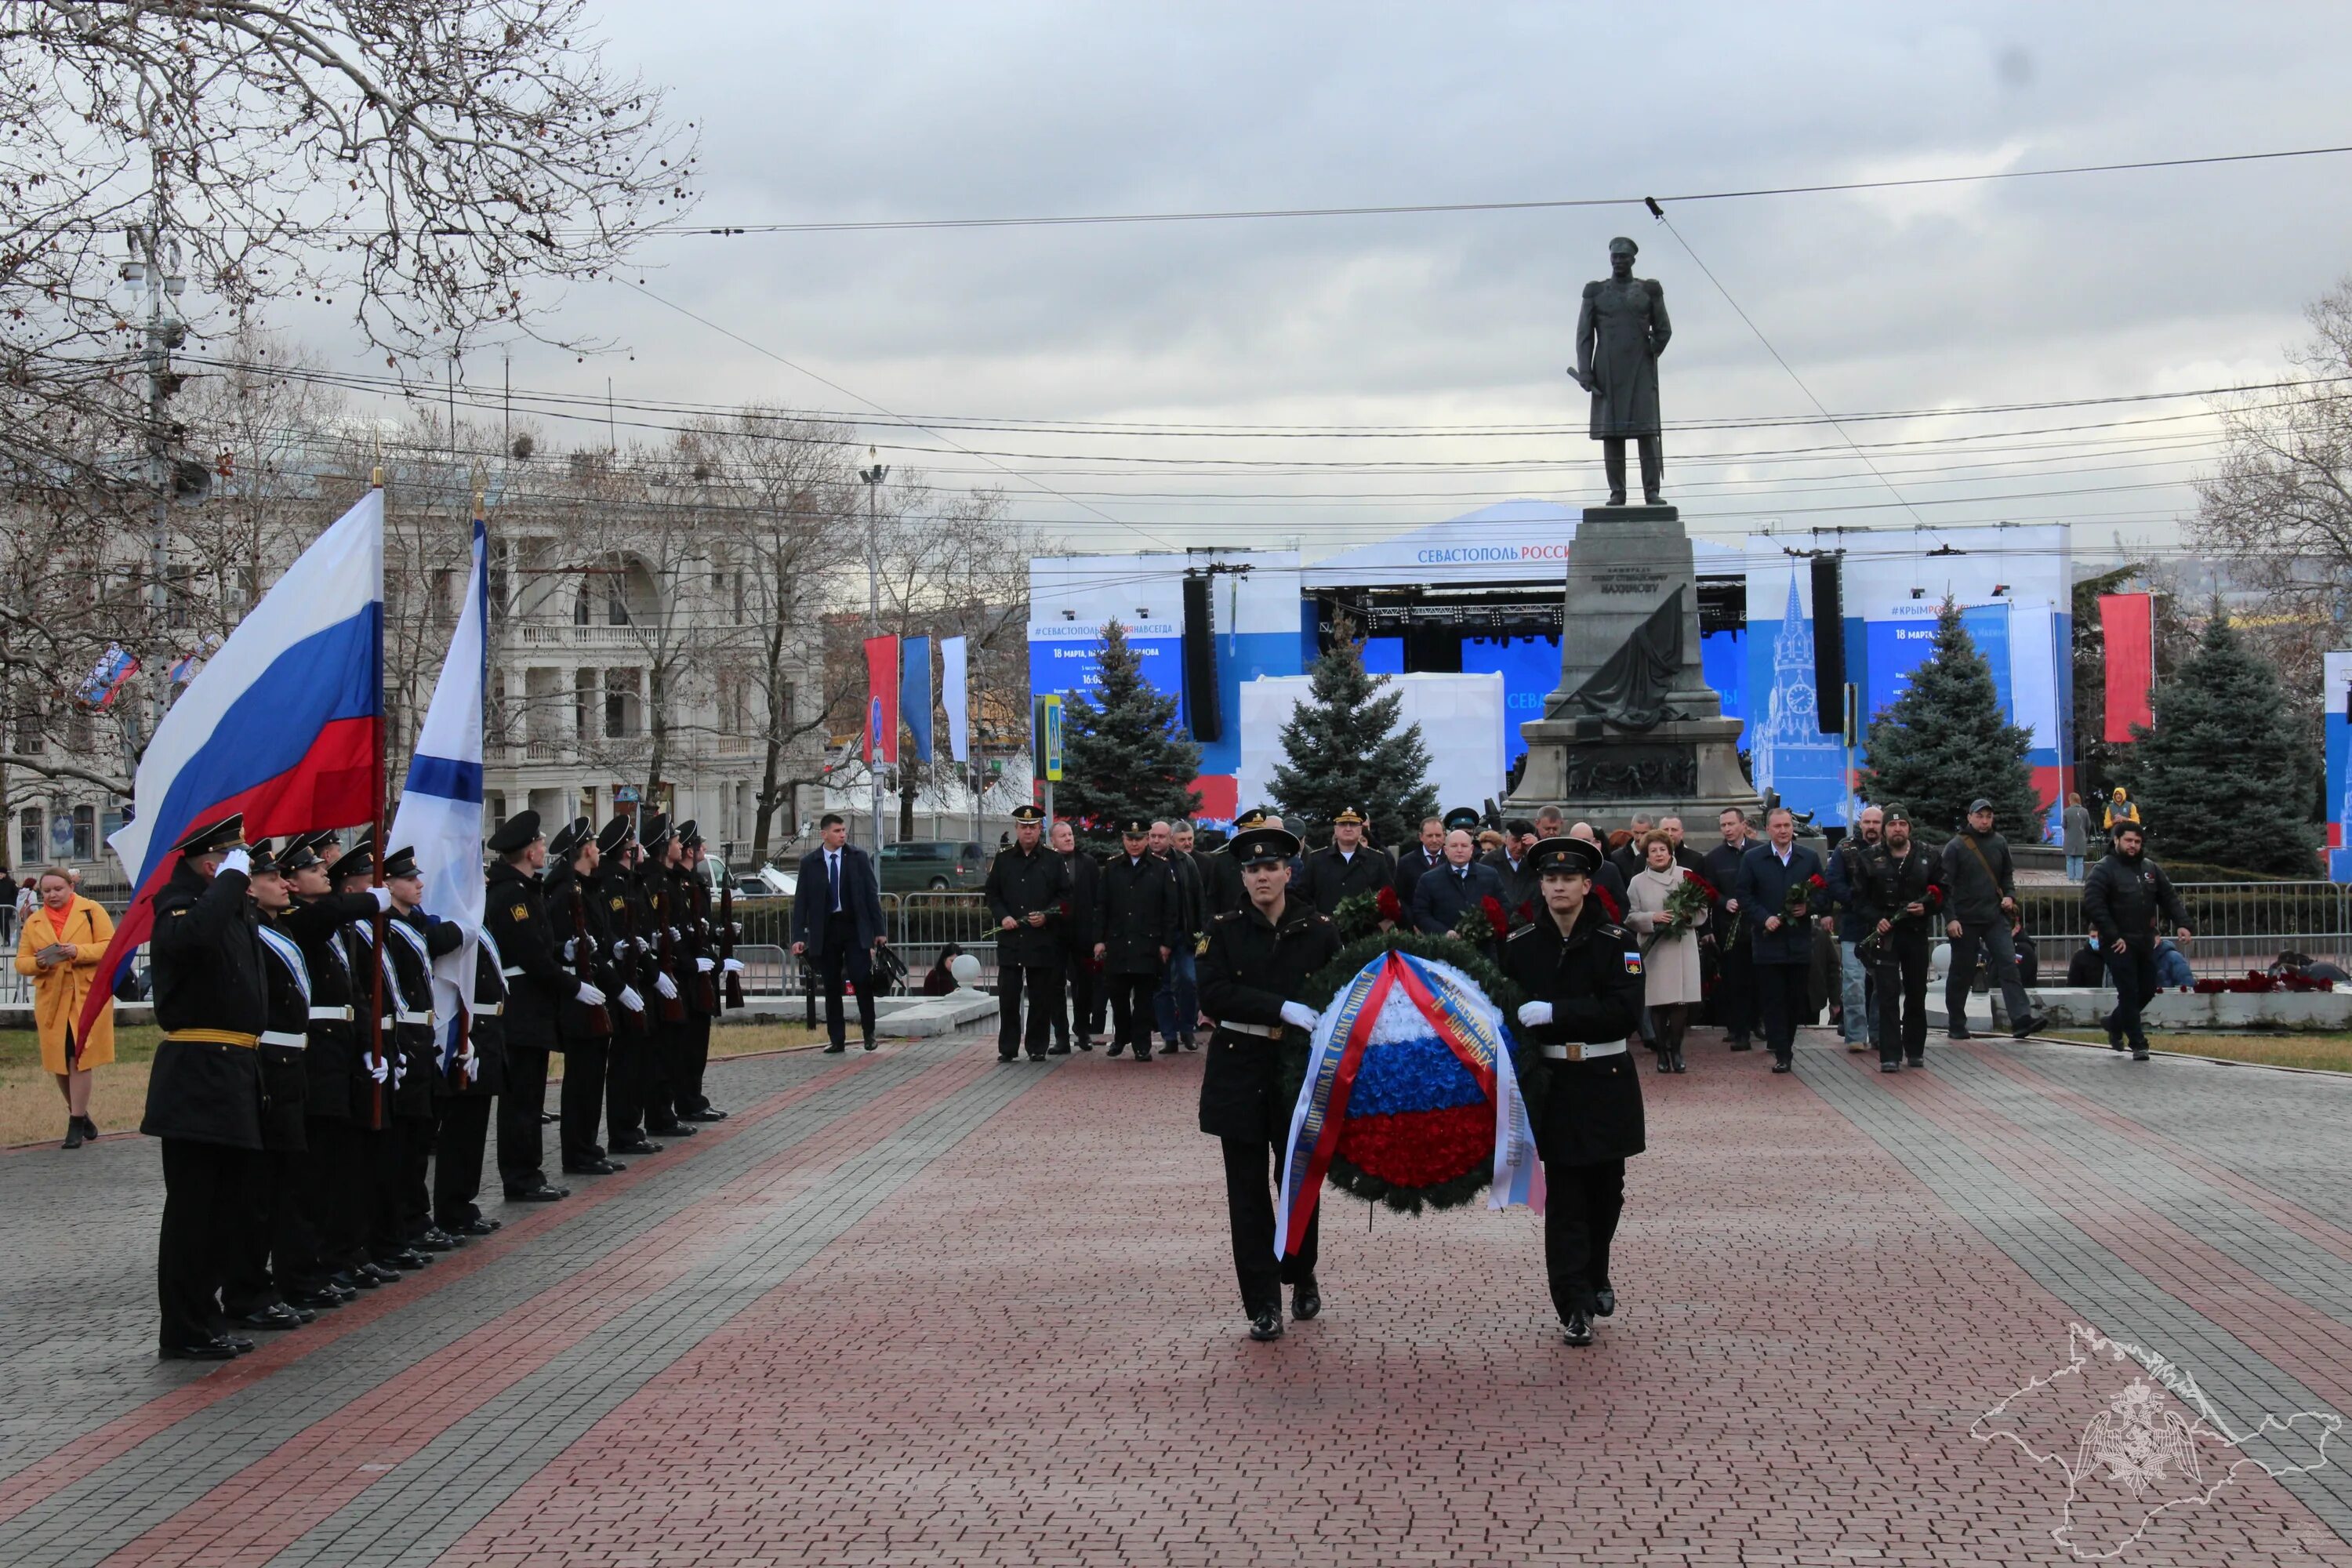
882	701
2128	625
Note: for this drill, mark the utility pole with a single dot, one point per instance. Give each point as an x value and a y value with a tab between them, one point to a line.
874	476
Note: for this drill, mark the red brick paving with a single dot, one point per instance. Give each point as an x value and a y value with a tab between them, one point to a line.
1032	1354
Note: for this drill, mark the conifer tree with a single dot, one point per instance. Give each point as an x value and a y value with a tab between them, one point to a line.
1945	742
1344	748
1122	754
2224	775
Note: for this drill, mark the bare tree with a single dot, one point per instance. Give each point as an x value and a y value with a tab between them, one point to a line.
432	165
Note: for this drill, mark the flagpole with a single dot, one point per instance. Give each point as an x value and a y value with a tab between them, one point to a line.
380	1115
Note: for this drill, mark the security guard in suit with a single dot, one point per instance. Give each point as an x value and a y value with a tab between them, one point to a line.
1259	961
203	1092
1346	866
1582	973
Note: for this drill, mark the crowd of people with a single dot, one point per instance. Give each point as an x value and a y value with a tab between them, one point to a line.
323	1127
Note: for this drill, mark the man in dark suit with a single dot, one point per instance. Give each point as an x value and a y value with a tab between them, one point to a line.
838	920
1074	1011
1783	941
1138	923
1627	856
1425	856
1459	883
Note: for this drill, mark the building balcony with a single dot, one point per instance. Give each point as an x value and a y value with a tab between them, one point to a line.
534	633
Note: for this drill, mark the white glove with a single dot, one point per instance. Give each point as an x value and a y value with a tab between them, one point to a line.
631	1000
237	860
666	985
734	965
569	943
399	1072
1534	1014
703	966
674	936
589	996
382	897
1298	1012
380	1068
469	1066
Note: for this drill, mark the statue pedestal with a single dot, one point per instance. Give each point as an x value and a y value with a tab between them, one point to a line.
1633	725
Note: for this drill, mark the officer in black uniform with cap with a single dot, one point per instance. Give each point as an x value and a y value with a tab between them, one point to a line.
664	967
204	1091
1582	972
704	981
463	1091
583	1024
384	1058
330	1179
1028	888
1137	915
1259	959
1346	866
413	938
630	1072
1222	892
514	914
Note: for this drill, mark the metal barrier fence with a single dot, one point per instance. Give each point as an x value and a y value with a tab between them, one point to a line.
919	925
2239	925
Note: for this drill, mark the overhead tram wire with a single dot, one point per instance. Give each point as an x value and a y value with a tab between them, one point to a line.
984	457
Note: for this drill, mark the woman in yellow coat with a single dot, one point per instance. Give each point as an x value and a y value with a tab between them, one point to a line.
60	948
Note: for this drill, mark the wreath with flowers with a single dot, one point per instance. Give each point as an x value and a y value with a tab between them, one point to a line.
1412	1139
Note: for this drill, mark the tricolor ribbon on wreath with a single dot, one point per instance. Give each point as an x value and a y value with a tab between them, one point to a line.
1449	1003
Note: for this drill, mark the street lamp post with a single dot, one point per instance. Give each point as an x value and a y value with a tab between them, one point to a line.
155	265
874	476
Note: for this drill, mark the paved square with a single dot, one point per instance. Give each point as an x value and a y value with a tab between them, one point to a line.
917	1307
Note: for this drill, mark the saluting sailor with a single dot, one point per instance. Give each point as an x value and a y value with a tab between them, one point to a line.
1582	972
1259	959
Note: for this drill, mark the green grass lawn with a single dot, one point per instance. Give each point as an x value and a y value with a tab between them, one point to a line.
2326	1053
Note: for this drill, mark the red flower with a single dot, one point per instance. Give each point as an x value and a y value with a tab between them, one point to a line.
1525	911
1385	901
1703	885
1815	881
1492	907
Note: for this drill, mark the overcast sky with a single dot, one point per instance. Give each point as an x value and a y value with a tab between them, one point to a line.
2022	291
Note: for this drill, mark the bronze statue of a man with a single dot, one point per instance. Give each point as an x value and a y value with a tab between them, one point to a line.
1620	334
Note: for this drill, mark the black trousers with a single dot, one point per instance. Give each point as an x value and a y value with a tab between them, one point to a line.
629	1080
457	1145
1999	950
1580	1214
1782	997
1043	983
1899	1022
2133	969
693	1061
329	1187
1074	1009
415	1200
1249	1205
522	1147
265	1262
204	1210
582	1098
841	963
665	1051
1735	991
1131	1010
380	1161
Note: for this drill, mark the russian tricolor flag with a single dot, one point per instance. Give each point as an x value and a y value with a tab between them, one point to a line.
283	724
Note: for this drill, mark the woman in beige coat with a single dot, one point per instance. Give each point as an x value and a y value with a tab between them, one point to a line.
59	947
1670	966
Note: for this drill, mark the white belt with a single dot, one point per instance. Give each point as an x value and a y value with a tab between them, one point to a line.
489	1009
282	1037
1262	1031
512	972
330	1014
1581	1053
424	1017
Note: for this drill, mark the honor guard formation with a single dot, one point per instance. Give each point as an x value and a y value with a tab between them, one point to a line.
323	1118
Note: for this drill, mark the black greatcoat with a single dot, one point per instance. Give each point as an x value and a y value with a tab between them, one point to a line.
515	914
570	1014
1020	884
1593	981
420	1051
484	1031
207	964
1138	912
331	1062
1331	876
1222	892
1254	966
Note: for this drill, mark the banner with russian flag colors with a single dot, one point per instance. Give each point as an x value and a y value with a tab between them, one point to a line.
2127	627
1410	1080
882	701
282	723
440	813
